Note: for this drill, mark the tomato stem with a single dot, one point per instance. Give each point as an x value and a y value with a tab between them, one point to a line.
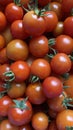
69	128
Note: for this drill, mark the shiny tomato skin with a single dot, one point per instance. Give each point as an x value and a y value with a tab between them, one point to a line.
21	70
16	90
13	12
64	119
38	96
5	103
49	17
60	63
68	24
25	127
64	44
6	125
17	30
55	104
41	68
3	21
15	46
19	117
58	30
40	121
38	46
2	42
35	26
52	87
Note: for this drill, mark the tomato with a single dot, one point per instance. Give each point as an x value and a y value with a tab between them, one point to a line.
6	125
68	24
5	2
35	26
7	34
41	68
5	103
60	63
20	113
49	17
52	114
38	96
13	12
69	82
64	119
58	30
16	46
17	30
64	44
4	68
30	59
2	42
38	46
2	86
43	3
56	104
25	127
21	70
16	90
56	7
67	6
3	21
52	87
3	56
40	121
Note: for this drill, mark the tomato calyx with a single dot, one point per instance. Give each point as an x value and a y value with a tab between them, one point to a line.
65	75
69	128
66	102
10	76
72	12
34	78
21	104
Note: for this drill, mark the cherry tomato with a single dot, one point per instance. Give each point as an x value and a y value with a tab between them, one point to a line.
16	90
3	21
64	44
61	63
58	30
21	70
40	121
68	24
49	17
41	68
6	125
43	3
20	115
13	12
4	68
17	30
64	119
38	46
56	7
5	2
38	96
3	56
2	42
17	50
52	87
35	26
5	103
67	6
56	104
69	82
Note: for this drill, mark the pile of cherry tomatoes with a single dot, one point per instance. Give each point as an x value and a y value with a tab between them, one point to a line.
36	64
